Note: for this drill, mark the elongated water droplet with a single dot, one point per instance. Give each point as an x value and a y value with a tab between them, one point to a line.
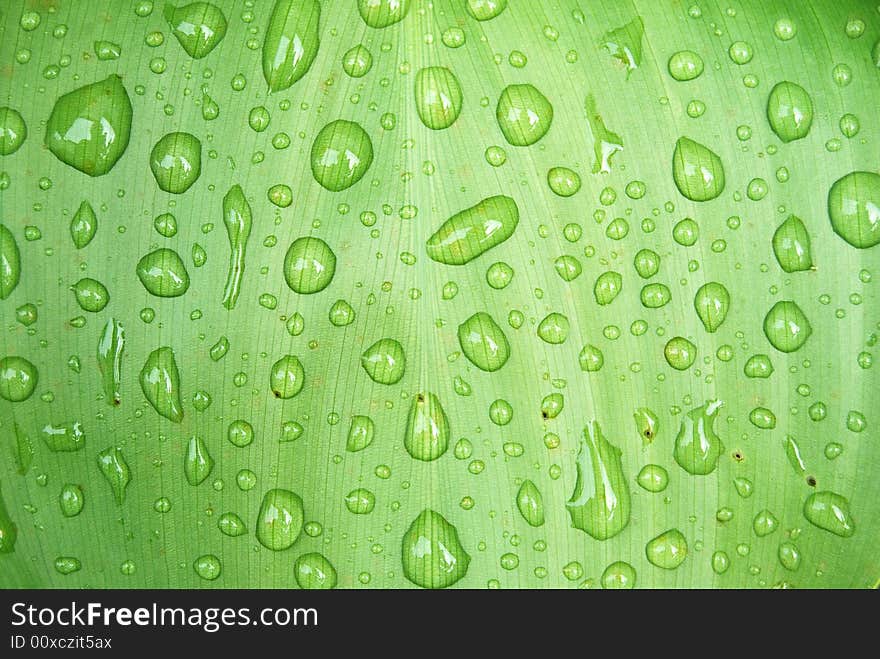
606	143
786	327
163	273
314	572
286	377
830	511
8	529
218	350
382	13
431	552
83	225
624	44
712	302
854	208
280	519
23	450
360	433
524	114
791	245
160	382
427	428
10	263
198	463
13	131
647	424
18	378
110	349
116	471
530	503
309	265
64	437
697	171
473	231
600	502
793	453
91	295
789	111
668	550
384	361
176	162
89	128
291	42
71	500
198	26
483	342
697	447
231	524
438	97
341	154
238	220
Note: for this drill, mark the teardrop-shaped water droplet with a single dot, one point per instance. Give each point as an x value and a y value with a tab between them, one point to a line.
71	500
789	111
830	511
198	26
91	295
83	225
160	382
360	433
89	128
668	550
697	171
198	463
530	503
483	342
18	378
473	231
697	447
431	552
291	42
384	361
647	424
427	428
712	302
786	327
382	13
791	245
485	10
854	208
314	572
116	471
280	519
524	114
600	502
10	262
232	525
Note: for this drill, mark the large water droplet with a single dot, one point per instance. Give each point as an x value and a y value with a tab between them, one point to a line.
360	433
10	262
89	127
116	471
286	377
8	530
789	111
438	97
712	302
485	10
238	220
791	245
280	519
83	225
64	437
341	154
473	231
18	378
830	511
668	550
314	572
620	575
176	162
198	463
483	342
309	265
524	114
198	26
384	361
163	273
71	500
697	171
786	327
680	353
160	382
530	503
382	13
697	447
91	295
431	552
427	428
600	502
624	44
291	42
13	131
758	366
854	208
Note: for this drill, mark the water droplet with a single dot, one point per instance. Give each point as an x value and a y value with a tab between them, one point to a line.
854	208
91	295
208	567
438	97
697	171
360	433
786	327
554	328
286	377
619	576
590	358
563	181
341	314
764	523
605	142
238	221
656	295
198	26
10	262
431	552
624	44
163	273
653	478
789	556
600	502
357	61
71	500
761	417
13	131
341	154
712	302
384	361
83	225
89	127
530	503
280	519
160	382
309	265
382	13
791	245
176	162
785	29
668	550
314	572
697	447
110	349
524	114
607	287
740	52
483	342
231	524
18	378
743	487
291	42
485	10
646	263
685	65
198	463
360	501
758	366
67	565
473	231
680	353
720	562
789	111
830	511
647	424
427	428
116	471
